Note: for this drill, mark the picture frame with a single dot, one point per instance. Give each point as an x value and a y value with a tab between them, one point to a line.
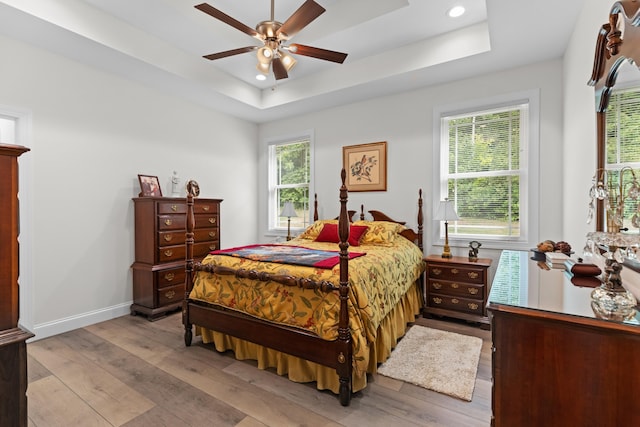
149	186
366	166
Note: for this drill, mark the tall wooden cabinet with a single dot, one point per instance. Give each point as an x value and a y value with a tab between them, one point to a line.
13	347
159	268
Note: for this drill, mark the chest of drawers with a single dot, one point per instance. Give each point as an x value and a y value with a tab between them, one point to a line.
158	271
456	287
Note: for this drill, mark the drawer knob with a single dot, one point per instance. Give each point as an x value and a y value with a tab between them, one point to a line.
168	221
212	220
455	285
473	306
212	247
169	277
437	271
205	208
168	252
212	234
454	300
473	275
170	294
455	271
473	291
174	208
168	237
436	285
437	300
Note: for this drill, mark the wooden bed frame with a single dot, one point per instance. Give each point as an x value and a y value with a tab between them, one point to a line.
335	354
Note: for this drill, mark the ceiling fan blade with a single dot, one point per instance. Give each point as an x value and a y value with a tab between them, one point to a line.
316	52
230	52
302	17
210	10
278	69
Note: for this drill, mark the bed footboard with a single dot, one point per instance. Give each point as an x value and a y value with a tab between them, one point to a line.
337	354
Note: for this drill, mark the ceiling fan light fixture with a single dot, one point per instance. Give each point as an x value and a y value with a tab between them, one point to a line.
287	60
263	68
265	55
456	11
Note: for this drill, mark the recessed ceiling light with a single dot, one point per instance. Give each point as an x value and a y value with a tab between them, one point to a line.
456	11
261	77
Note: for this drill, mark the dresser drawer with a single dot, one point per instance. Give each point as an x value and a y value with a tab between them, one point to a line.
174	276
172	237
205	221
202	206
465	290
456	303
200	250
172	222
205	234
171	295
172	207
171	253
457	273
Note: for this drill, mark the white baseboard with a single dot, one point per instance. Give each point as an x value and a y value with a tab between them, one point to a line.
60	326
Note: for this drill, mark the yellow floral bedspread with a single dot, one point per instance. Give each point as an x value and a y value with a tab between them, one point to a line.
377	281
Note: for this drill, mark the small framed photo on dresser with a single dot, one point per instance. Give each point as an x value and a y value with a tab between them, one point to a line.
149	186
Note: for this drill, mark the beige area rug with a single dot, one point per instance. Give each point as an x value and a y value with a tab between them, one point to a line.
441	361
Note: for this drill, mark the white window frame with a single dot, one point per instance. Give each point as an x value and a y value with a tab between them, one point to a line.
529	164
272	206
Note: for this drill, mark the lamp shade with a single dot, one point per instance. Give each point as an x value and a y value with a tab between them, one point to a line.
288	210
446	211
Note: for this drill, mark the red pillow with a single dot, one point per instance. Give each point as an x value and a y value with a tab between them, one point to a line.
329	234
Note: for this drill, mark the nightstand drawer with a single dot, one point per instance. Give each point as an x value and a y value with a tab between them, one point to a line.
456	303
465	290
456	273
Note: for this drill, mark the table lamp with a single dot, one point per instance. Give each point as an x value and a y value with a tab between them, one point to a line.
288	211
446	212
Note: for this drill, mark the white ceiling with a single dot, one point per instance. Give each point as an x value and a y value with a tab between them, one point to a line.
393	45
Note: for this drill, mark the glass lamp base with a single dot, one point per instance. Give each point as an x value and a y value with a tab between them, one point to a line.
613	302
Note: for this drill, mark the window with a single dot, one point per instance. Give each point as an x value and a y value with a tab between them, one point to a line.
484	168
622	148
290	174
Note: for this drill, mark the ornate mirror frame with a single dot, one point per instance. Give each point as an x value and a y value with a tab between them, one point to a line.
618	42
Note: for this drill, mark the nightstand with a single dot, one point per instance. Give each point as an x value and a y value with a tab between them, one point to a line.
456	287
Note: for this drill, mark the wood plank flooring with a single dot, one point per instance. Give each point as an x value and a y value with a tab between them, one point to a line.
132	372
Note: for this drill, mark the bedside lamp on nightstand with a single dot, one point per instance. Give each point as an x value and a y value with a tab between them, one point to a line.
288	211
446	212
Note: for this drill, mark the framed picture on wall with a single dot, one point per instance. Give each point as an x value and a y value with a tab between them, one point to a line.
149	186
366	166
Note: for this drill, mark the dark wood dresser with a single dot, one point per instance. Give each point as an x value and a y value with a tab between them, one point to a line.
456	287
13	347
555	363
159	267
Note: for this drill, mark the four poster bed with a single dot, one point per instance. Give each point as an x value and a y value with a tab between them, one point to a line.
311	320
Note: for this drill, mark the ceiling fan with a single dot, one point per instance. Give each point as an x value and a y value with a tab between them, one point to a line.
274	54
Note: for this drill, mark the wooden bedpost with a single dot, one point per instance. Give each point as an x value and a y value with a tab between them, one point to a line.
420	219
189	240
345	355
362	212
315	207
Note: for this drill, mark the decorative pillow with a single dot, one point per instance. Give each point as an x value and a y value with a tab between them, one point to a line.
329	233
314	229
380	232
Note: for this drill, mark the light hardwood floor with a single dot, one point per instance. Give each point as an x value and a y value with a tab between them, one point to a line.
132	372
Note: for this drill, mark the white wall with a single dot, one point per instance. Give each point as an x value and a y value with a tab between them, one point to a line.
405	121
580	126
92	134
